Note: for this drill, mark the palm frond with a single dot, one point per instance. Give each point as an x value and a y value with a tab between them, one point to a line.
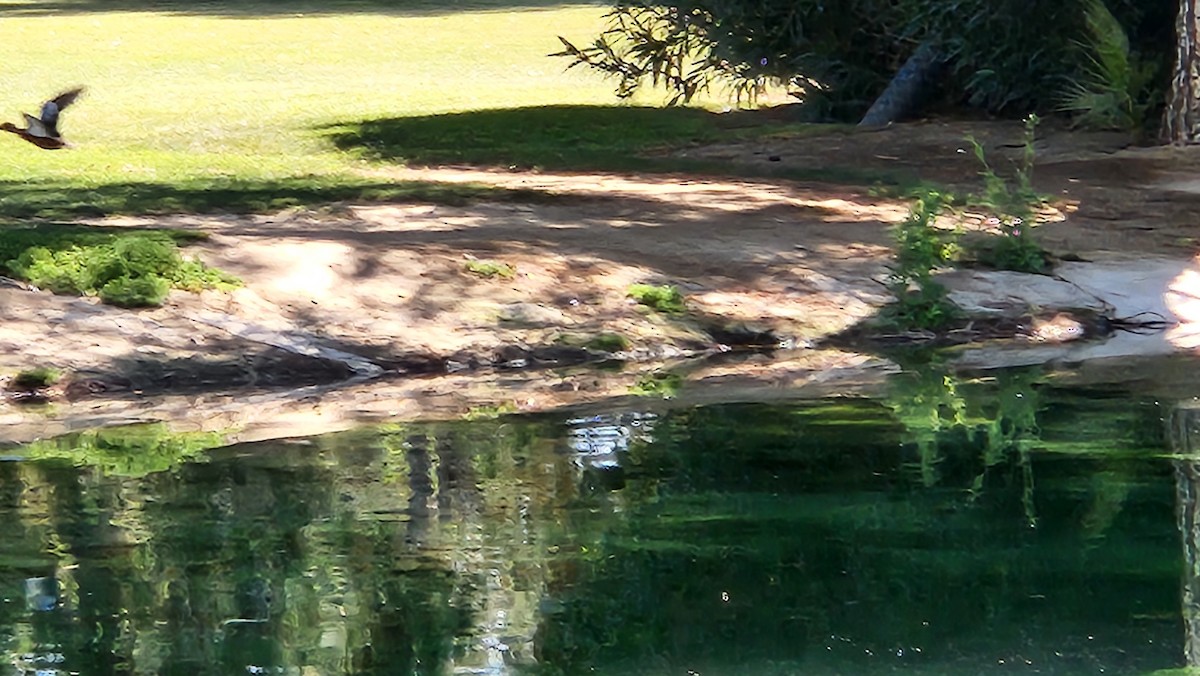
1110	90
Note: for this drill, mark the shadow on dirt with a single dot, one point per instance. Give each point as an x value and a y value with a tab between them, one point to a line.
235	365
628	231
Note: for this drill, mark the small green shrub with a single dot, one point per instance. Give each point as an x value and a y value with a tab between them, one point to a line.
491	269
1010	250
666	299
665	385
490	412
134	292
922	246
56	271
608	342
922	307
921	249
35	378
195	276
144	256
125	270
1013	208
603	342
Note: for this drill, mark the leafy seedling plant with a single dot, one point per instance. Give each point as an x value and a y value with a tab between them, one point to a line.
922	249
1013	209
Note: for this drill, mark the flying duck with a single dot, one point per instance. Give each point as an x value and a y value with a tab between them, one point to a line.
43	131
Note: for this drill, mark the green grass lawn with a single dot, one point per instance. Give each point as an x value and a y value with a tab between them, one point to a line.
193	101
251	106
222	108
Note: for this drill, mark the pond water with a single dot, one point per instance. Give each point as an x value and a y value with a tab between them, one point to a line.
955	526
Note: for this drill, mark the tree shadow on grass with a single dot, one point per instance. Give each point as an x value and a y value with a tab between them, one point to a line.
260	9
586	138
567	138
64	200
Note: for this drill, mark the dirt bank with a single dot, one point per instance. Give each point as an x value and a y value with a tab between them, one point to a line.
355	291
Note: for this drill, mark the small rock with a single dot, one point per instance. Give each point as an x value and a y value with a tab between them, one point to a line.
744	335
16	284
1058	329
531	313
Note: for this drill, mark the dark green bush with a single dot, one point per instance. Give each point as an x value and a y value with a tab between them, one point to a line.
826	52
1118	88
35	378
1003	55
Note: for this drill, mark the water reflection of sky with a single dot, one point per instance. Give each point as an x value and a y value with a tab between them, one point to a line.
598	440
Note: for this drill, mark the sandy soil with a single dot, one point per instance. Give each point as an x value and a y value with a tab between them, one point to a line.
356	290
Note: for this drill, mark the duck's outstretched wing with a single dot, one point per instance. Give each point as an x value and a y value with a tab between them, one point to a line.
53	107
66	98
36	127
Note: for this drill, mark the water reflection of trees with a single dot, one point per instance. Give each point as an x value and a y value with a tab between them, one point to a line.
993	422
724	535
401	550
1185	433
853	537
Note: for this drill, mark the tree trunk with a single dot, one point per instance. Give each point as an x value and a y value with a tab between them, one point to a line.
904	93
1187	483
1183	432
1181	121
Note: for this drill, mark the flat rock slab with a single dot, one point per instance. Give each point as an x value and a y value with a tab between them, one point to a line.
1002	293
1117	288
1131	286
1145	289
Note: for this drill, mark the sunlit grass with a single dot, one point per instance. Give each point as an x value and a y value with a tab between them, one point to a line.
241	97
213	106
